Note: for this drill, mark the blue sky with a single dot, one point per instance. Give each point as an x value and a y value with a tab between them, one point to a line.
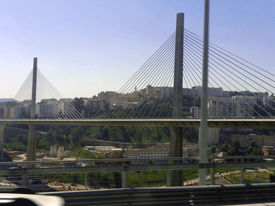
85	47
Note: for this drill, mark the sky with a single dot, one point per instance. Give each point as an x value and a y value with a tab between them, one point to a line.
85	47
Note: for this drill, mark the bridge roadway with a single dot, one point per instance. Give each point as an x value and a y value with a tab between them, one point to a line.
212	123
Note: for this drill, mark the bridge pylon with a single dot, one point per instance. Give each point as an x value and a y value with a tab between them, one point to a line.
175	177
31	152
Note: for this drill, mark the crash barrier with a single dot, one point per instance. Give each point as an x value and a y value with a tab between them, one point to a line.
26	172
195	195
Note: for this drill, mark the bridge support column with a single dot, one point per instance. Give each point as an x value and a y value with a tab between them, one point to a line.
175	177
124	179
34	80
2	127
241	175
212	176
31	152
203	136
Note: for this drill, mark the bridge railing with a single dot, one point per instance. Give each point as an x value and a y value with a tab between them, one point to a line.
25	173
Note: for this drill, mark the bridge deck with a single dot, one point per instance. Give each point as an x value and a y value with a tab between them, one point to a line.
212	123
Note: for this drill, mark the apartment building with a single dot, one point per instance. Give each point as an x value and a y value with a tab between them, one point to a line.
260	140
47	108
212	91
65	106
150	154
234	107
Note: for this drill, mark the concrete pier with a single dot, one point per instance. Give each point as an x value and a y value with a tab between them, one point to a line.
31	152
175	178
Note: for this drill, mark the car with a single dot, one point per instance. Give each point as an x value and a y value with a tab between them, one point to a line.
37	181
25	196
15	199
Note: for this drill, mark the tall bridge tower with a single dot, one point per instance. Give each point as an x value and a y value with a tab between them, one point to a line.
175	177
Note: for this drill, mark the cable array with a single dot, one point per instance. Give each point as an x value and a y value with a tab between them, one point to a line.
135	99
249	87
237	88
50	103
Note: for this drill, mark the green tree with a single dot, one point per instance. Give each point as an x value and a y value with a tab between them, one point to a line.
225	147
187	100
76	134
79	104
235	149
197	101
251	147
22	138
213	148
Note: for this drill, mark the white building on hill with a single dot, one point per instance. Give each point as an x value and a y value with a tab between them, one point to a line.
152	154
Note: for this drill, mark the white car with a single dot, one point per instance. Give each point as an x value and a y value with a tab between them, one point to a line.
30	200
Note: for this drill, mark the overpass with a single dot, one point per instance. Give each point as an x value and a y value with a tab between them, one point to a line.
184	123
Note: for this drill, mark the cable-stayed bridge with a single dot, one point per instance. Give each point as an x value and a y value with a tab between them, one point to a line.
50	103
240	94
237	88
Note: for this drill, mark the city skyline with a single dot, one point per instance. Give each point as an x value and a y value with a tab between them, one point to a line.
97	46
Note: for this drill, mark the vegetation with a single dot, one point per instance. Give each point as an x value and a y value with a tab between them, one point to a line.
147	179
249	177
236	150
82	153
213	148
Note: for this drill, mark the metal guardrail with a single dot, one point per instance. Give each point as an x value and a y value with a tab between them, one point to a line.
195	195
213	123
124	168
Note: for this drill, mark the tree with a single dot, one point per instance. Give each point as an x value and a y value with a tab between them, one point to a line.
213	148
191	135
105	133
76	134
79	104
225	147
250	148
197	101
187	100
138	137
235	149
22	138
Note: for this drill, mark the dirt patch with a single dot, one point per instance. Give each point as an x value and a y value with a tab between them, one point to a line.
68	186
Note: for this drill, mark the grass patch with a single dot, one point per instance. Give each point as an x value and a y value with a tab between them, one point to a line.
222	170
17	146
147	179
156	178
250	177
82	153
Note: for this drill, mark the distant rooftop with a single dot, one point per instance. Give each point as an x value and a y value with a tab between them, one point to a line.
3	100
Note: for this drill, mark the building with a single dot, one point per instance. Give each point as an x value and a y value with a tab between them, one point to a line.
234	107
160	92
244	106
268	150
8	114
259	95
106	96
47	109
16	112
166	92
95	104
65	108
102	149
152	154
261	140
212	92
195	112
106	99
213	136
